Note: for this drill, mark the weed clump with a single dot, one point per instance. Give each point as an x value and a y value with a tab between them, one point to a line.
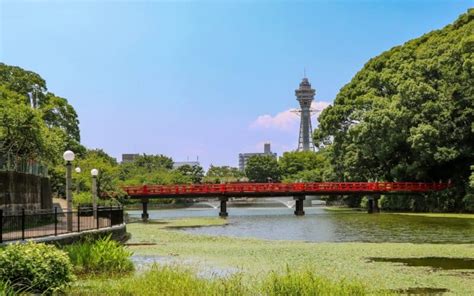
103	256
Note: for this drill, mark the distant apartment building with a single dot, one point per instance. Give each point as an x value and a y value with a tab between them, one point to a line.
243	157
178	164
129	157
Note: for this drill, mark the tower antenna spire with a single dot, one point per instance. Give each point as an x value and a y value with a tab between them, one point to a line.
305	96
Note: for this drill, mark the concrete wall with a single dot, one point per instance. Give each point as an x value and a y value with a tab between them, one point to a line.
19	190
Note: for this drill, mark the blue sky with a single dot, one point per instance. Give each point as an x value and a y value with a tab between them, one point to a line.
209	79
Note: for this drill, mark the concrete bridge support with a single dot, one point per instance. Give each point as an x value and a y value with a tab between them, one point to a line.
373	204
299	211
145	209
223	211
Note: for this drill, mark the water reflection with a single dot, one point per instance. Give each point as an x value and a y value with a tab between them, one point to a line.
319	225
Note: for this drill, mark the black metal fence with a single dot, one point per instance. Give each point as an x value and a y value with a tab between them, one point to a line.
23	225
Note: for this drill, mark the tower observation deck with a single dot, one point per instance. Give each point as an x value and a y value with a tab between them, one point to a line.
305	96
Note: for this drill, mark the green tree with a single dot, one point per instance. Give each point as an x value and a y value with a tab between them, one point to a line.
26	89
217	174
107	179
407	115
262	168
307	166
153	162
195	172
23	134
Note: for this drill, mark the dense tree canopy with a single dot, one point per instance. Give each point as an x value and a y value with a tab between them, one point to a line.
195	172
226	174
306	166
35	124
151	169
262	168
407	115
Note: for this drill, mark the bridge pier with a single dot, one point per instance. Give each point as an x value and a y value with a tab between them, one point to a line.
145	209
373	204
299	211
223	210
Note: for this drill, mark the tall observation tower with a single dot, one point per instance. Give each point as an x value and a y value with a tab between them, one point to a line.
305	95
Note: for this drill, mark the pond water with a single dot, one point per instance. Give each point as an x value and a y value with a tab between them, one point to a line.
320	225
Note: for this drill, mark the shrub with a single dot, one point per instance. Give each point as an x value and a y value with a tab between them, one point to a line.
35	268
101	256
85	198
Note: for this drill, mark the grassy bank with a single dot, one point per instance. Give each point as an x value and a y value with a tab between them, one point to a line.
178	280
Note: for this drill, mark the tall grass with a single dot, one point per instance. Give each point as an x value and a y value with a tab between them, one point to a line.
176	280
103	256
308	283
6	289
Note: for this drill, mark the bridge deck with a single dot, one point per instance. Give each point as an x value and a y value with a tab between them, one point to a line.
278	189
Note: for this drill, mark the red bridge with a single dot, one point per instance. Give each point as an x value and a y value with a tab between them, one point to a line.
297	190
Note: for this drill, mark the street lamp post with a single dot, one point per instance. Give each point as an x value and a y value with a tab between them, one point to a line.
78	170
69	157
94	173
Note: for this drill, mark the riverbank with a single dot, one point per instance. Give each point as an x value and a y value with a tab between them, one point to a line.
223	256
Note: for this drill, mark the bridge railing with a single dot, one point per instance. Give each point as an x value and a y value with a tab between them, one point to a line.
290	188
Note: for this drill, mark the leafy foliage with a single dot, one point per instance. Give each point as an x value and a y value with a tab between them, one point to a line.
36	268
225	174
407	115
306	166
151	169
262	168
153	162
108	172
103	256
35	123
23	133
195	172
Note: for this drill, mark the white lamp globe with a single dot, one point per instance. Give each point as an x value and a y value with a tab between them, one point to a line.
94	172
68	155
78	170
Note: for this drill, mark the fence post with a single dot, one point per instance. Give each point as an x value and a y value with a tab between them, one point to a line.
78	219
97	215
22	224
1	226
55	221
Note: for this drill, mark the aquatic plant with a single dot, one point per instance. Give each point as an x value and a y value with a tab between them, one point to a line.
337	261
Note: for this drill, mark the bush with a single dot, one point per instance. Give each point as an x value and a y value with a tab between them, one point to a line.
85	199
35	268
102	256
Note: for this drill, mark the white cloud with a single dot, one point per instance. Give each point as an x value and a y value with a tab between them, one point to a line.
287	121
